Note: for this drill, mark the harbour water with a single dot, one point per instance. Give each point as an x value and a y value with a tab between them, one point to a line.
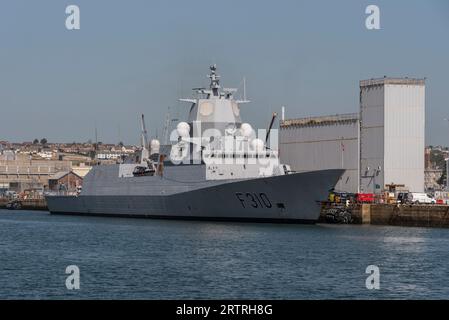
161	259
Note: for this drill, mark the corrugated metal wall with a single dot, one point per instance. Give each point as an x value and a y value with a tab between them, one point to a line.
404	135
324	146
392	135
371	137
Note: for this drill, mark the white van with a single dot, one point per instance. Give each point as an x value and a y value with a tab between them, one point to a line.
418	197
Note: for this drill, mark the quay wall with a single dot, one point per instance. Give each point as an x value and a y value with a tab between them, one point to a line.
406	215
27	204
410	215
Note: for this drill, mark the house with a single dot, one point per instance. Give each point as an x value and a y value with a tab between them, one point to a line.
64	180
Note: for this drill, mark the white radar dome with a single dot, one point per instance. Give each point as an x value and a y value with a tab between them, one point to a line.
154	146
183	129
246	129
257	144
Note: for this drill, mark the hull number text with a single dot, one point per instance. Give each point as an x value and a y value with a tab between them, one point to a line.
253	200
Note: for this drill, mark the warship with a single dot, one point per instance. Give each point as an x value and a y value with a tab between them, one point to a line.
215	169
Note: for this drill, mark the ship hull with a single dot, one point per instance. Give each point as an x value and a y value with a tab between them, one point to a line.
288	198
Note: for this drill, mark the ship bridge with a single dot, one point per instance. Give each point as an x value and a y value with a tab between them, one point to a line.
215	108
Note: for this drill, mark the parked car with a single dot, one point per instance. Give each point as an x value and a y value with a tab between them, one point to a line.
418	197
402	197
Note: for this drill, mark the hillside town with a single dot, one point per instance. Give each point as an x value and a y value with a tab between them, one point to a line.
28	169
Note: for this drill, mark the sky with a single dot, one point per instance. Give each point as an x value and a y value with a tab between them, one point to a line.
140	56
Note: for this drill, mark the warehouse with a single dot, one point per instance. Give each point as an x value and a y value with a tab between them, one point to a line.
318	143
392	133
382	144
21	174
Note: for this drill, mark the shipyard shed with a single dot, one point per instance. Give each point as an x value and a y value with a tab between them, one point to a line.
319	143
392	134
382	144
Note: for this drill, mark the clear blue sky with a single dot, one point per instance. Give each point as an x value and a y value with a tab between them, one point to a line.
133	57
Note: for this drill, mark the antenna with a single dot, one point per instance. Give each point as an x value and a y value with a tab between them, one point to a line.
244	100
273	117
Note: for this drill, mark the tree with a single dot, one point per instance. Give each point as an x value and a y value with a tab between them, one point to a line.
438	159
35	141
43	141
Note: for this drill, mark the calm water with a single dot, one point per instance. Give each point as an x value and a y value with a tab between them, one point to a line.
156	259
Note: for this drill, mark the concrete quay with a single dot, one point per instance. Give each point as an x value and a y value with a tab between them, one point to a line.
27	204
404	215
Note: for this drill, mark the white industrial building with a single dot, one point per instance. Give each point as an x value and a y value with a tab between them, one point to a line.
382	144
392	133
327	142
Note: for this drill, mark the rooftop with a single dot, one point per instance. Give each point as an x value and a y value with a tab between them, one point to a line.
61	174
322	120
386	80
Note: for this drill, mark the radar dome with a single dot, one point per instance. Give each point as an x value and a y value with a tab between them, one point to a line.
246	129
154	146
257	145
183	129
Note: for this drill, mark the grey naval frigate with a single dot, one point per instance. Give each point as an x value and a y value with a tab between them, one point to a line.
215	169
